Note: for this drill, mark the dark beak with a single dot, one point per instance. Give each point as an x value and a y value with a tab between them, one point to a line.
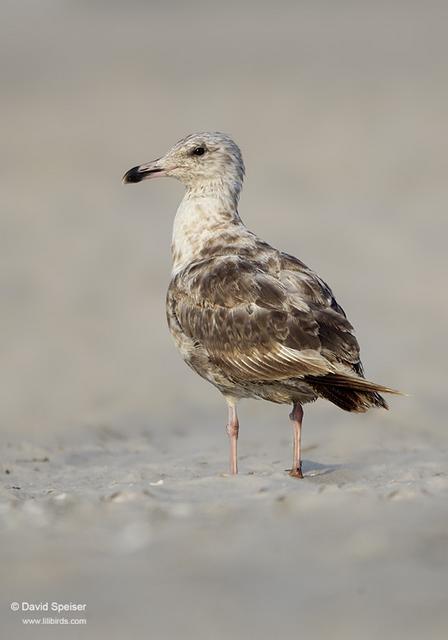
144	172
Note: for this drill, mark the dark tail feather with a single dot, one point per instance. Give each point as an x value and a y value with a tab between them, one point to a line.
350	392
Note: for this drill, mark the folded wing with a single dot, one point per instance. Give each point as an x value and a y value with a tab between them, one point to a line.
264	321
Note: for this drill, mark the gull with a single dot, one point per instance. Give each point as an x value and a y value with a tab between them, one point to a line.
252	320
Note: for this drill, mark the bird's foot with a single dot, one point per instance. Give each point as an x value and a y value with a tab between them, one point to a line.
296	473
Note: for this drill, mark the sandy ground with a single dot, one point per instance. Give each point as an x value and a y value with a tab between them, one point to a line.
166	544
113	454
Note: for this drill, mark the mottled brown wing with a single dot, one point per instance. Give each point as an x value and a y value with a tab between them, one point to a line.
259	323
338	343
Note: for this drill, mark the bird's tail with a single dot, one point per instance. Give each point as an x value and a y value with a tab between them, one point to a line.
351	393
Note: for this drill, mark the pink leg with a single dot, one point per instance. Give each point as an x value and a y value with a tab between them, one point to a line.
296	417
232	429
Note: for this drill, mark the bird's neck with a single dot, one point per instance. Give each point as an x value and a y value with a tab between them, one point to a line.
224	189
205	220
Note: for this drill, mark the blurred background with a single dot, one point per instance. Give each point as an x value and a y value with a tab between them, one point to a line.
340	109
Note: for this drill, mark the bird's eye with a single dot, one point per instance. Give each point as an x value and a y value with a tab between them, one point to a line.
198	151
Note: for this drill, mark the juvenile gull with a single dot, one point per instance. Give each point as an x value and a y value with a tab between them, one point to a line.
252	320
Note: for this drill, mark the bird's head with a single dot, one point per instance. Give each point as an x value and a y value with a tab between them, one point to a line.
201	161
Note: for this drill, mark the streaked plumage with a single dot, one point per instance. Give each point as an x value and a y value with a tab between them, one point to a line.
253	321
